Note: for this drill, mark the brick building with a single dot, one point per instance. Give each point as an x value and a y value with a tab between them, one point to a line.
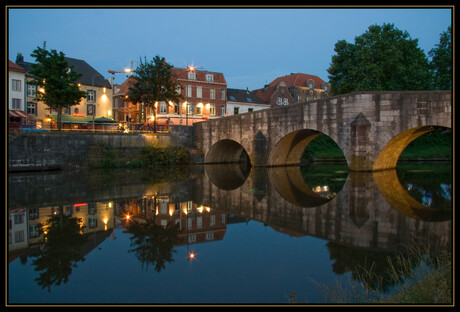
204	93
293	88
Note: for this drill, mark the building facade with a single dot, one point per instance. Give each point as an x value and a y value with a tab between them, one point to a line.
205	97
293	88
241	101
97	104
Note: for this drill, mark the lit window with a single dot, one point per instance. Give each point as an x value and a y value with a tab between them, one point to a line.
212	110
163	108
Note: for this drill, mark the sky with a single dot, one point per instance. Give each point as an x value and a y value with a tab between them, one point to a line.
250	46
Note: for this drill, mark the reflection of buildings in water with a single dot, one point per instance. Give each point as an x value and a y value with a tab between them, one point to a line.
24	223
197	223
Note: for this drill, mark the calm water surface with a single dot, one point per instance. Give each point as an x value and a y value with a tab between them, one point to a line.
215	233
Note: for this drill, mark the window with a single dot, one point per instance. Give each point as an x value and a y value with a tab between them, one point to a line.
18	218
31	108
199	222
212	220
209	77
16	103
278	101
176	108
189	91
16	85
209	235
286	101
212	110
18	236
212	93
250	109
191	76
236	110
91	110
199	92
199	109
33	231
163	108
192	238
222	110
31	90
91	96
222	92
189	108
178	89
92	222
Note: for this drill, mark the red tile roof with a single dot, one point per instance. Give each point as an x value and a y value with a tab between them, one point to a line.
297	80
200	75
14	66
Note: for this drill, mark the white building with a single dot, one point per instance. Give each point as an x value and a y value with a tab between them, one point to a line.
242	101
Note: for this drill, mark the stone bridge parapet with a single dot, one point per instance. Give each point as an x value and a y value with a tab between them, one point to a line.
371	128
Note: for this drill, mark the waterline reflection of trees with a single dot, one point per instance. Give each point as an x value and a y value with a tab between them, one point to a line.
60	250
152	244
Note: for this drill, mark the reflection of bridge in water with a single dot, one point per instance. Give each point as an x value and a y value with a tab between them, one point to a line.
372	210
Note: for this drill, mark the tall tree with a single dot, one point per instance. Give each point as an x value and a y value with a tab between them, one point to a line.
441	61
383	58
154	83
56	81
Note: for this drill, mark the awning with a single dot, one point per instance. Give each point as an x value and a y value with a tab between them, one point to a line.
18	113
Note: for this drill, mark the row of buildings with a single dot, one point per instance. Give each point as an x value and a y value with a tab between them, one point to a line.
206	96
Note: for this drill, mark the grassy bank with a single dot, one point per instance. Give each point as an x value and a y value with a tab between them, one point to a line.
420	274
152	156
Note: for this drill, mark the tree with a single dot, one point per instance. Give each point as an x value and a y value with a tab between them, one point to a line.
55	80
441	61
383	58
154	83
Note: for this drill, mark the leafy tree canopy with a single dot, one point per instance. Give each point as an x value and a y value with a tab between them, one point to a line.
441	61
56	81
383	58
154	83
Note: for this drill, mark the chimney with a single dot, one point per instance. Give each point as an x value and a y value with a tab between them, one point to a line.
19	59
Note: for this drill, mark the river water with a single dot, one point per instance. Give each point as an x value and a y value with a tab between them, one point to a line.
223	234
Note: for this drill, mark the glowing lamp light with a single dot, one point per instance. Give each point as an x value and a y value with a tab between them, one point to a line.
191	256
127	70
104	90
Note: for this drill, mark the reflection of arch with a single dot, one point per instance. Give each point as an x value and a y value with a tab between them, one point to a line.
290	184
289	149
390	188
227	176
226	151
389	155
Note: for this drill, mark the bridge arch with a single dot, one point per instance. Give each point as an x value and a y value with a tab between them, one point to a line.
289	149
226	151
389	155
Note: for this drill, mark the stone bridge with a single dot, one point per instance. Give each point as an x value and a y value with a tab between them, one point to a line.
371	128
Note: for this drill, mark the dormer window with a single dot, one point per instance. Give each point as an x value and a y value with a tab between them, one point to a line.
191	76
209	77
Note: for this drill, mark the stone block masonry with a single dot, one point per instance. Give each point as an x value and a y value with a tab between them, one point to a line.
49	150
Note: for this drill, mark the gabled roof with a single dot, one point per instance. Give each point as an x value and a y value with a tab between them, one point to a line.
245	96
88	73
124	87
15	67
292	80
181	73
90	76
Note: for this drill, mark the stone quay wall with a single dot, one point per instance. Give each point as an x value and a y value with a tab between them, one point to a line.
31	150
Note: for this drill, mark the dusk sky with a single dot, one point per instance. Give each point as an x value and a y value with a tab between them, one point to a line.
251	47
